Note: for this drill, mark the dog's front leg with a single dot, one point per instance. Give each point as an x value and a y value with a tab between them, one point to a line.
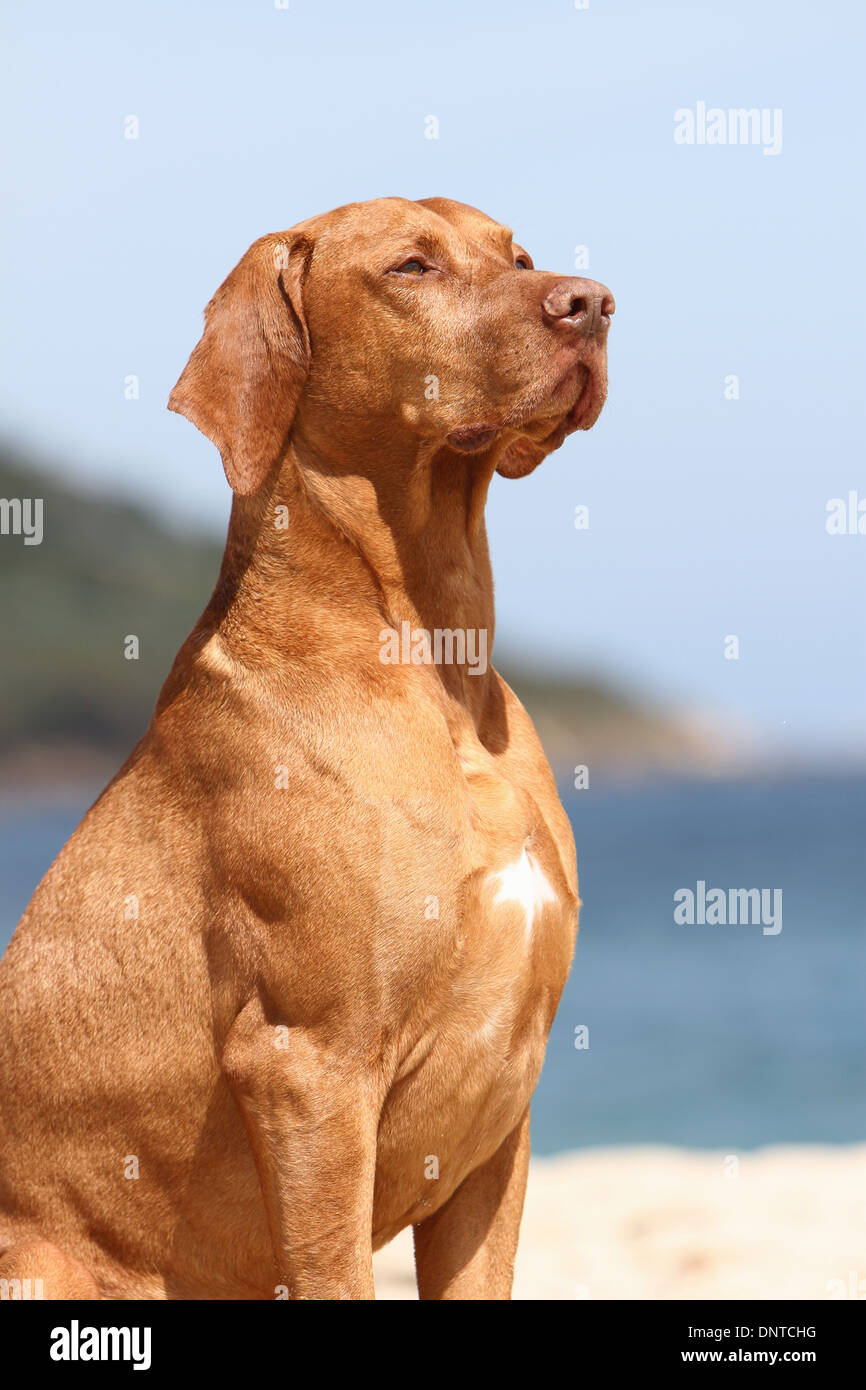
312	1117
466	1249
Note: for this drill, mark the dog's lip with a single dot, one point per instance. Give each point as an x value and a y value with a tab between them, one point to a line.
470	438
583	405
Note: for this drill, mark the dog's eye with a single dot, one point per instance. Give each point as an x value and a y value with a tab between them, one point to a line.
522	263
411	268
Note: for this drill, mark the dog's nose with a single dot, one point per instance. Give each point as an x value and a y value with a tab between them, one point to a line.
583	306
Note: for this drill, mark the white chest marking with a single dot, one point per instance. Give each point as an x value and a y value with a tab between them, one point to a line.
524	882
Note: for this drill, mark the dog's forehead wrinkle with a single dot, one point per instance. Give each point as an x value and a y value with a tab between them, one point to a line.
471	222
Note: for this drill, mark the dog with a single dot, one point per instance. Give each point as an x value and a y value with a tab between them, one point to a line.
287	989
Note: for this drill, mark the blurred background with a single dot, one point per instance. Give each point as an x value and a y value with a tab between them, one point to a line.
149	145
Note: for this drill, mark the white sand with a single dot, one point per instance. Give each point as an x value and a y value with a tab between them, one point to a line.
668	1223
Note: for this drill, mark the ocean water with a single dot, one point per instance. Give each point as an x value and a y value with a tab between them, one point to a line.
717	1036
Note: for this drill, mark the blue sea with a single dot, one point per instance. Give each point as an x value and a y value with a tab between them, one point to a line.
711	1036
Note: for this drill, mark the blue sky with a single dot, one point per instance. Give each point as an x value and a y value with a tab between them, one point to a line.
706	515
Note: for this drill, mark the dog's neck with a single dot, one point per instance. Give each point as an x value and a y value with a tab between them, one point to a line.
378	541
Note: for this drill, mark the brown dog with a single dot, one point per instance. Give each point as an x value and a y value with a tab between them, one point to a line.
288	987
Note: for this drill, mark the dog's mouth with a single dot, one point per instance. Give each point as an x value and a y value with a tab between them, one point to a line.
582	408
470	439
591	380
548	420
575	403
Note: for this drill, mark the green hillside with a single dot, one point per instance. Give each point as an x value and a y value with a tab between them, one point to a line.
104	570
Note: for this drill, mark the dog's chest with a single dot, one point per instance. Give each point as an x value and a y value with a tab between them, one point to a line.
517	911
513	945
517	849
499	959
522	887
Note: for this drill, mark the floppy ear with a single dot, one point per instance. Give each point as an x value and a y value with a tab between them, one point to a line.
242	384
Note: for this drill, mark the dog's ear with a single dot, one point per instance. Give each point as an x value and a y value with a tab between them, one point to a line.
242	384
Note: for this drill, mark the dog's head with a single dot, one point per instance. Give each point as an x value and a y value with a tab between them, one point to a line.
396	318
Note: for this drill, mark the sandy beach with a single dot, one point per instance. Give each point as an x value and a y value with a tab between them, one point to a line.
663	1223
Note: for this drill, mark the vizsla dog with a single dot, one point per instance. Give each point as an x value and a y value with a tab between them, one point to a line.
287	989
